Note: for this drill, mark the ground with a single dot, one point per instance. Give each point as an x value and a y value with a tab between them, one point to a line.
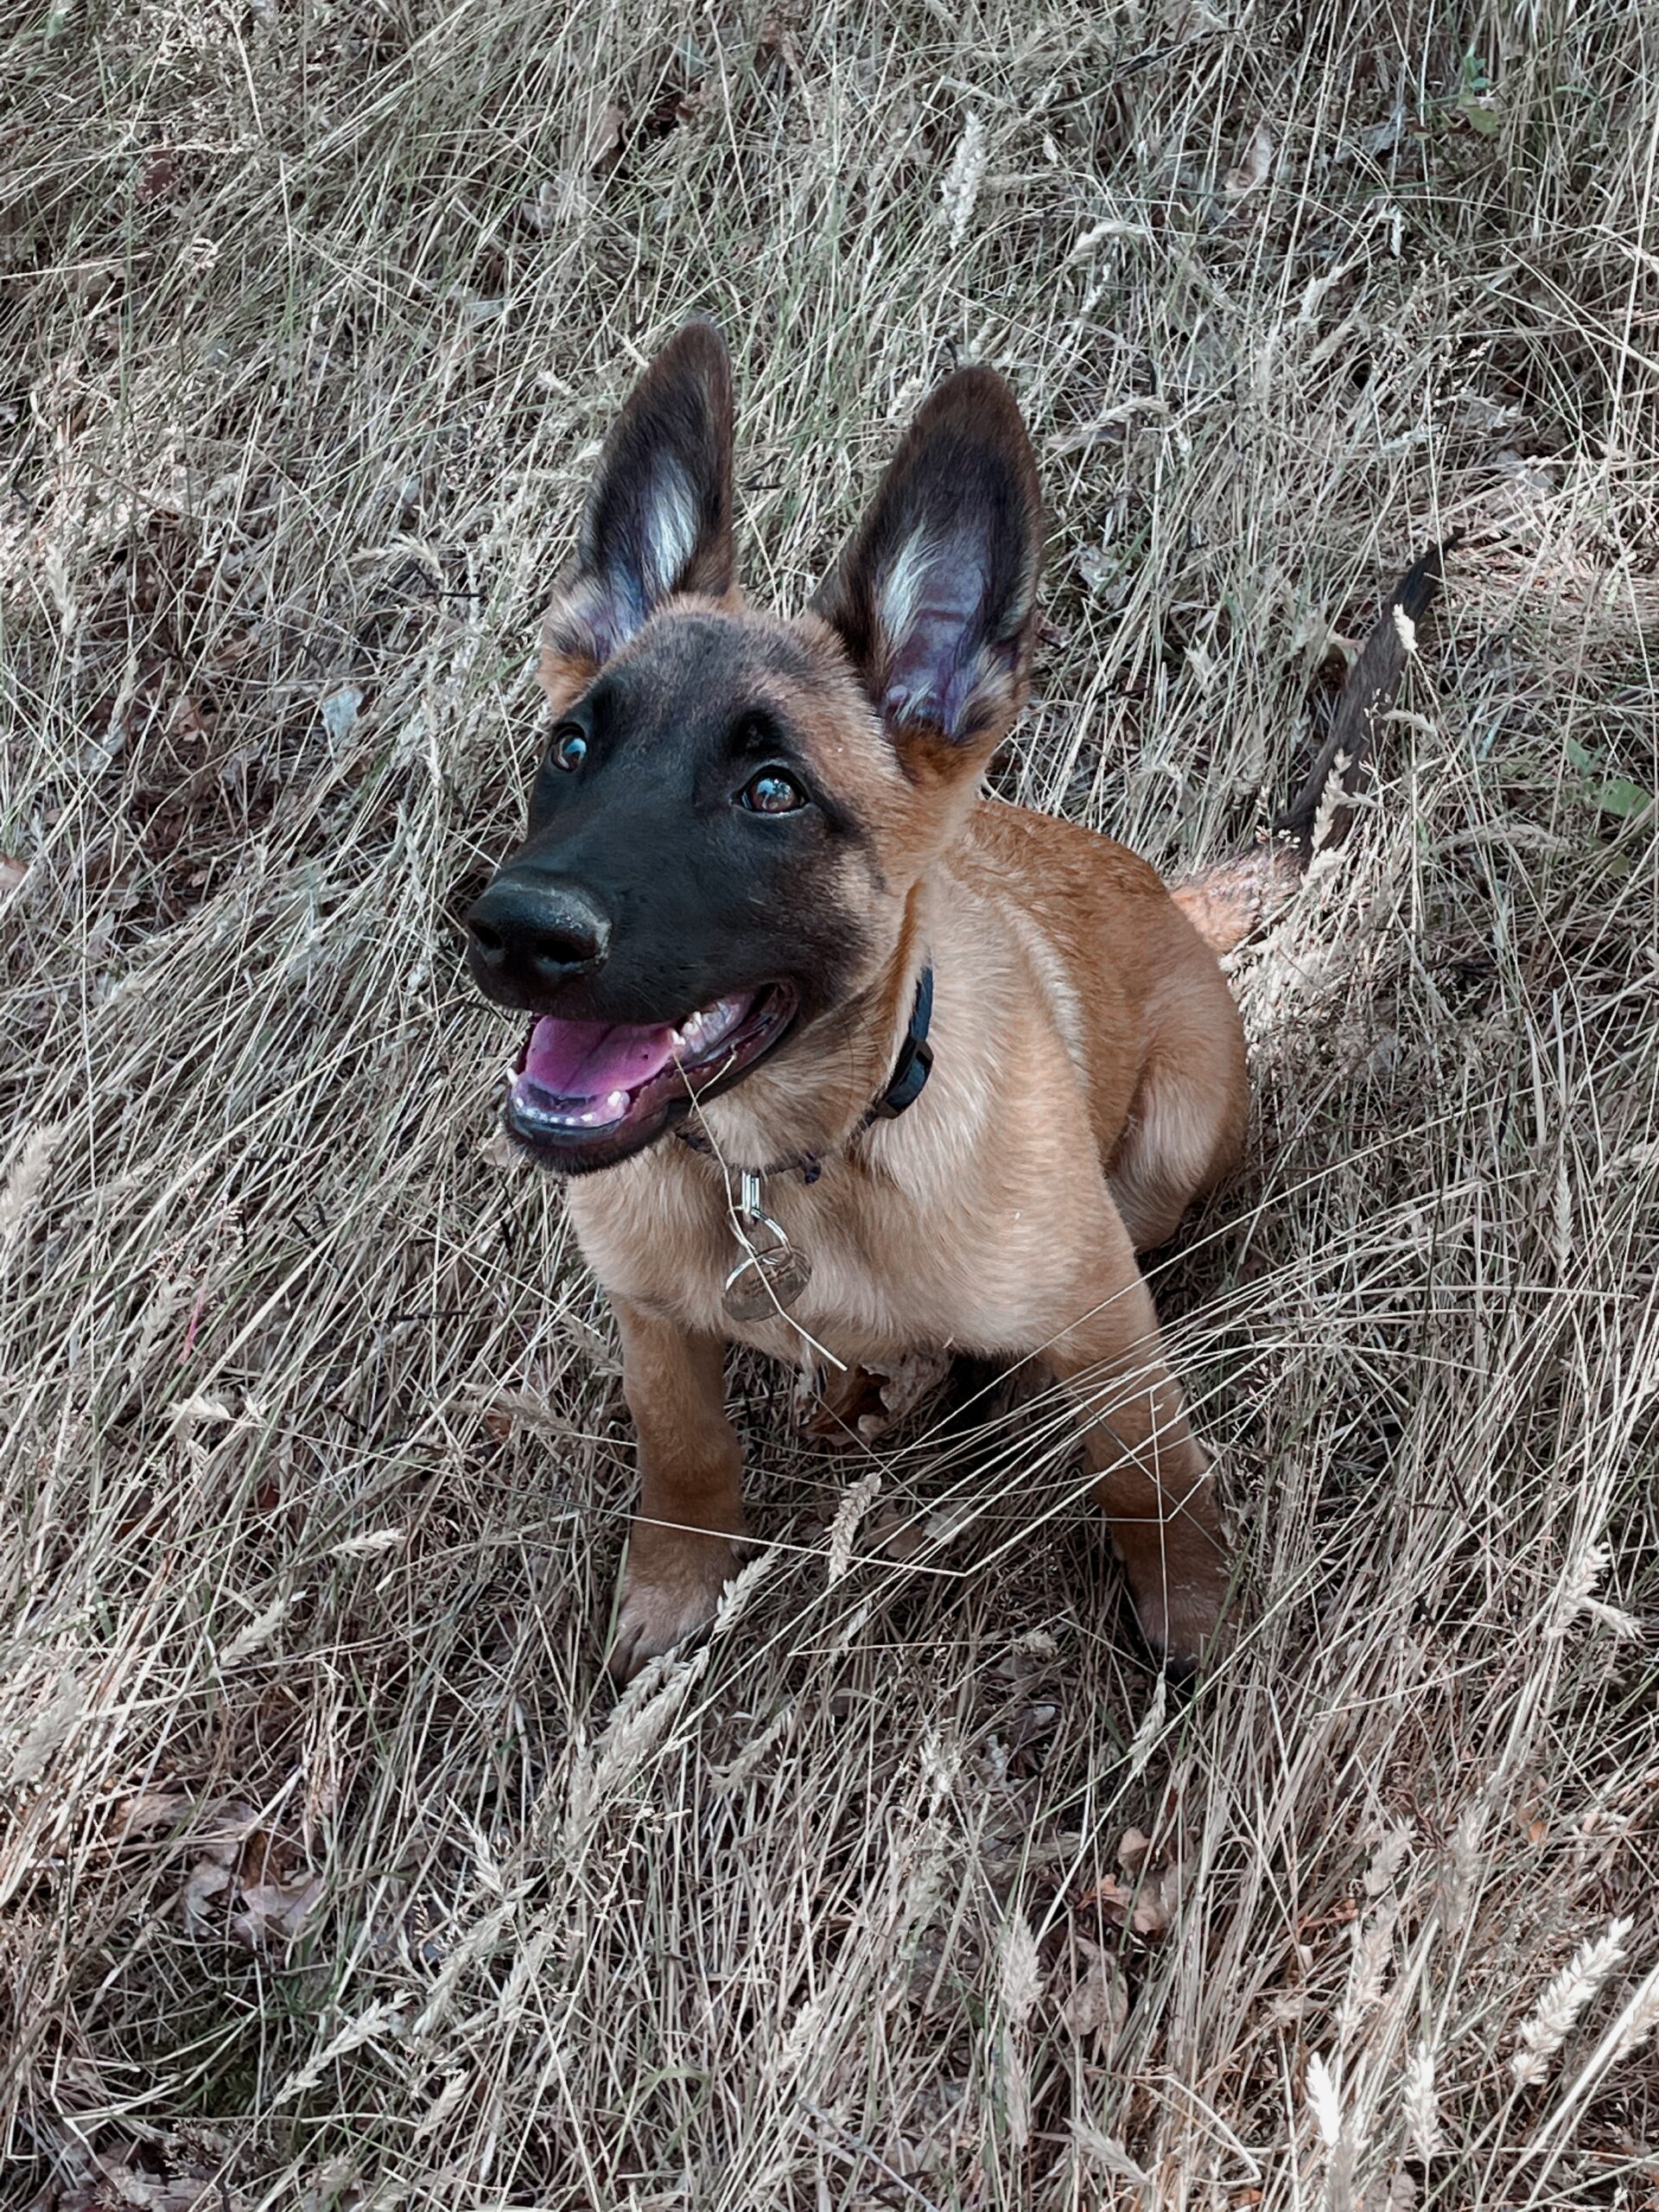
334	1875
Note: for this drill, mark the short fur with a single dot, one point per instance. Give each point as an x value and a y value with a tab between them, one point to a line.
1088	1072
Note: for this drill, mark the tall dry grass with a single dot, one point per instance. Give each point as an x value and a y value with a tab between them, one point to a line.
333	1875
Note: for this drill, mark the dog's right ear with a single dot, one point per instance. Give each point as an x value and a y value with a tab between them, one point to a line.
659	518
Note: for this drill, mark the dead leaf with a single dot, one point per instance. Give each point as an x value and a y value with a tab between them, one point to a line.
775	41
1531	1823
150	1810
190	717
604	141
207	1880
1098	1998
12	873
1146	1908
897	1533
276	1909
1132	1850
498	1150
187	2170
860	1404
245	1883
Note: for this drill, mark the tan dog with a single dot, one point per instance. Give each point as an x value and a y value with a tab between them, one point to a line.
758	869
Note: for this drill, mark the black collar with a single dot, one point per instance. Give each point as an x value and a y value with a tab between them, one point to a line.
903	1086
915	1061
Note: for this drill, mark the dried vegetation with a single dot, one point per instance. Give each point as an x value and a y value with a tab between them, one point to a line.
332	1876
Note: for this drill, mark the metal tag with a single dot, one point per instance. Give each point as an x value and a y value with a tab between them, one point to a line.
764	1283
771	1274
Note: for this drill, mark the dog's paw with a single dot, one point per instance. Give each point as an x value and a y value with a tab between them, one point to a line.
1180	1618
667	1597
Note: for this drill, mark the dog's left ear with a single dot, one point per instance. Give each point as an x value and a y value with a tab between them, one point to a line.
659	518
935	598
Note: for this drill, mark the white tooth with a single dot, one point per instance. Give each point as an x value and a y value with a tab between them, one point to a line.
618	1101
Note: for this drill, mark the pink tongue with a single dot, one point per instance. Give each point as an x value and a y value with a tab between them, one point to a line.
586	1059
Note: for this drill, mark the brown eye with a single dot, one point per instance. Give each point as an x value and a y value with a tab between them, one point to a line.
772	792
570	746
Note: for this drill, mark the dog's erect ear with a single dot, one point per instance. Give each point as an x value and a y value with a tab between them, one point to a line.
659	516
935	597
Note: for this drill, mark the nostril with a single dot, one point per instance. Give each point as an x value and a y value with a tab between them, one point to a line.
569	946
488	940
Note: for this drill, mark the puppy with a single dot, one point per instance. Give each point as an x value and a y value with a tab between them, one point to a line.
837	1051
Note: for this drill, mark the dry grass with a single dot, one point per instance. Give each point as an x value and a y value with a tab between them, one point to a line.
333	1873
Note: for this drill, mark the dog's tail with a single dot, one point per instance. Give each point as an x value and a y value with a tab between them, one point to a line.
1229	901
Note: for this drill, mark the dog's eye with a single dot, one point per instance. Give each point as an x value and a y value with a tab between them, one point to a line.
772	792
570	746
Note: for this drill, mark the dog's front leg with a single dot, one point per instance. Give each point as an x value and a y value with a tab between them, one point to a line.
1154	1482
681	1547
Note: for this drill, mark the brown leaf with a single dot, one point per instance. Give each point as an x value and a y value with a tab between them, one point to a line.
899	1534
207	1880
12	872
860	1404
277	1909
1146	1908
775	41
187	2171
1132	1851
1530	1819
190	718
151	1810
245	1881
1098	1998
498	1150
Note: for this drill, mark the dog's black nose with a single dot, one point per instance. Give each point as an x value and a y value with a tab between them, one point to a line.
528	931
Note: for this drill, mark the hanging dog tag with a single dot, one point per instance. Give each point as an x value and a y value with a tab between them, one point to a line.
771	1274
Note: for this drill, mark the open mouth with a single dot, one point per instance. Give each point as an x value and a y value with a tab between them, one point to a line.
585	1094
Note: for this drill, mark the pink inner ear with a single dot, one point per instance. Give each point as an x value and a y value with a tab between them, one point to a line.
935	657
596	618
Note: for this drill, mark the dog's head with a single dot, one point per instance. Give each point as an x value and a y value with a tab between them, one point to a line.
732	811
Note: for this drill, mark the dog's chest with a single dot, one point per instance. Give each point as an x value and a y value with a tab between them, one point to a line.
887	1273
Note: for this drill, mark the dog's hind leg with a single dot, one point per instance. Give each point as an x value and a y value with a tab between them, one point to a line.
682	1548
1187	1120
1154	1483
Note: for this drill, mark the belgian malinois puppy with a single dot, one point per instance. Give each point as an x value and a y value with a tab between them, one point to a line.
837	1051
